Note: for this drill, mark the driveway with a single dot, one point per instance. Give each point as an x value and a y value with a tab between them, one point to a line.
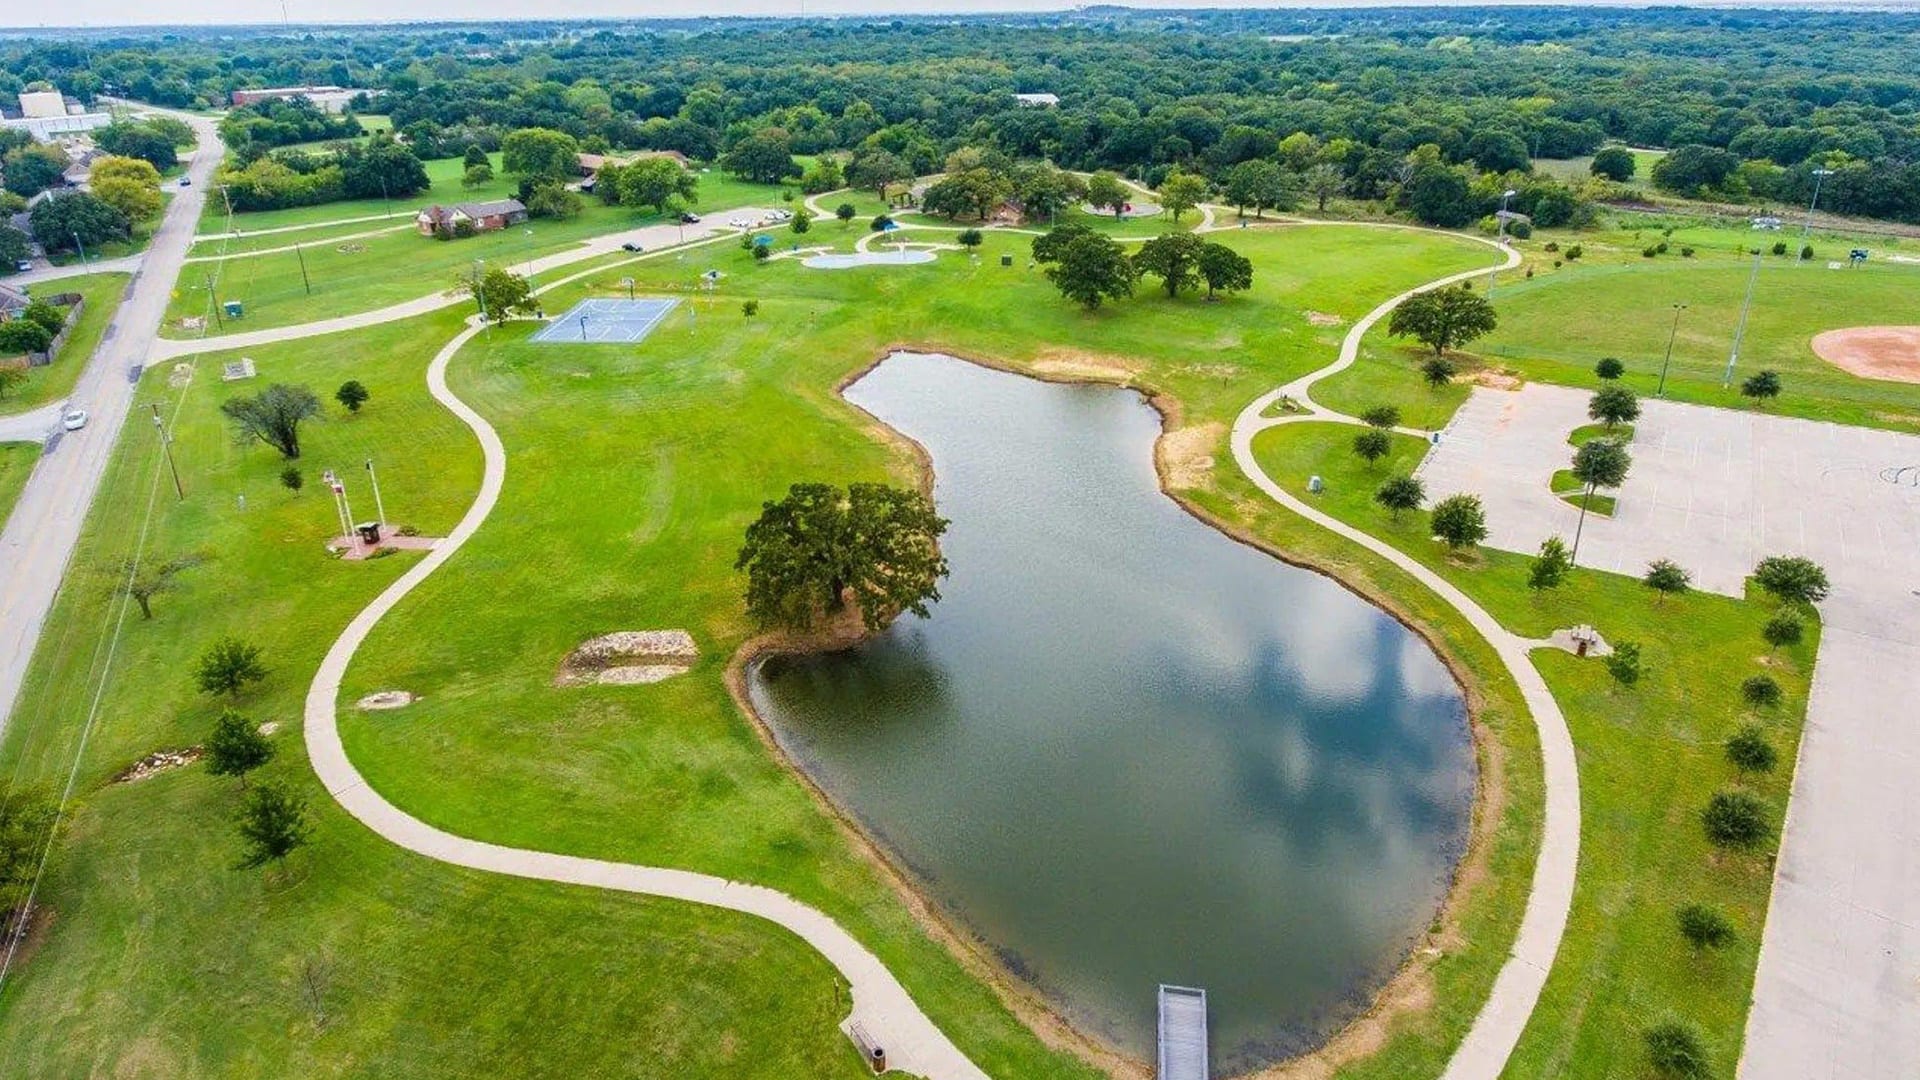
1837	994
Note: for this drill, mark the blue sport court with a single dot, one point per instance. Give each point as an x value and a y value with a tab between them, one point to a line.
607	322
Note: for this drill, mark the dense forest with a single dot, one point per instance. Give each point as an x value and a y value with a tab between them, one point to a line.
1391	98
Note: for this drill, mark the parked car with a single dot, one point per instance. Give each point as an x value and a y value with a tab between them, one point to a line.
186	181
23	265
631	246
689	218
74	420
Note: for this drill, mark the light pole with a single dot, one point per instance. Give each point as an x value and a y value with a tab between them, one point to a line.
1740	330
1668	362
82	248
1504	197
305	282
379	507
1818	176
628	282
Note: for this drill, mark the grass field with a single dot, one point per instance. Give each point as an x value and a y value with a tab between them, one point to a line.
375	271
1650	757
16	463
1581	168
634	468
55	381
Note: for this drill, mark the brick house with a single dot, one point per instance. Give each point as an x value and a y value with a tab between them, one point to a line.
470	217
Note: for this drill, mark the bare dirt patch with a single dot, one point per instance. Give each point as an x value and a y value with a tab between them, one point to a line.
1891	353
629	658
386	699
1494	380
1321	318
157	762
1073	364
1186	455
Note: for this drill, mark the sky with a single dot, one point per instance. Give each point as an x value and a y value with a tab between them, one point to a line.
97	13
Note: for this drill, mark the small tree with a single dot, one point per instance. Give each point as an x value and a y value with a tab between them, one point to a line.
228	666
1792	578
802	221
273	416
1609	368
1384	417
1785	628
1762	386
1668	578
1623	663
1551	568
499	294
1736	820
1444	319
236	747
1372	444
846	213
1459	521
1106	192
1704	927
1224	269
12	374
1761	691
352	395
1749	750
970	238
273	824
1181	192
1438	371
1614	404
142	581
477	176
1401	493
1676	1051
749	308
1597	464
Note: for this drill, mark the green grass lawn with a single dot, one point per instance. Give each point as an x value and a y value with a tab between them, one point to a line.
375	271
323	234
17	460
1650	757
55	380
631	472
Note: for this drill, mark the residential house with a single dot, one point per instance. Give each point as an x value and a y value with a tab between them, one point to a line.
470	217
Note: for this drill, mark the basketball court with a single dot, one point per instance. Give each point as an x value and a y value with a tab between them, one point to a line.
607	321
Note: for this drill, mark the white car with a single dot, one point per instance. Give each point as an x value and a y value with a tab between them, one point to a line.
74	420
740	223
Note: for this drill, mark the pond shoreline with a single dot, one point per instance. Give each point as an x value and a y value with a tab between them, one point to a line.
1406	991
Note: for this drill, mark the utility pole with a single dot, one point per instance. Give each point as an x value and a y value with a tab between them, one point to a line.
1668	362
84	261
213	305
304	282
1740	330
379	507
166	447
479	293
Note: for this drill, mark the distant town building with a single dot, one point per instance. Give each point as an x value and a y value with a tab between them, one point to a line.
53	128
333	99
40	104
470	217
1037	101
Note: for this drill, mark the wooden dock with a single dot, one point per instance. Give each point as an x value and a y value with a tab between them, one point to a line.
1183	1033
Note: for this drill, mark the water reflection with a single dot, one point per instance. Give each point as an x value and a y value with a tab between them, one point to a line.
1127	749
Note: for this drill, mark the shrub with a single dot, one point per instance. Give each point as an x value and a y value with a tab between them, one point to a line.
1661	247
1686	252
1551	245
1438	371
1806	252
1384	417
1676	1052
1761	691
1647	253
1780	248
1792	578
1704	927
1667	577
1623	663
880	223
749	308
1736	820
1749	750
291	479
1460	521
1573	252
1784	628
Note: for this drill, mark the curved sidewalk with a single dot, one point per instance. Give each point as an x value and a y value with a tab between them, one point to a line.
1483	1053
880	1004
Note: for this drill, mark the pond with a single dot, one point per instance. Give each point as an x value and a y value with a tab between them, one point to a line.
1126	749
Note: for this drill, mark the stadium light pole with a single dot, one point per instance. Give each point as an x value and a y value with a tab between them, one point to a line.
1740	329
1818	176
379	507
1668	362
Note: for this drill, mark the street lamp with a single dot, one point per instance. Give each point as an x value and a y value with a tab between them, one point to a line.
1668	362
1740	330
1818	176
1504	196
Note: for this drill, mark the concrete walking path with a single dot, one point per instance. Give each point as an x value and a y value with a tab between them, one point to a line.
284	248
403	219
1483	1053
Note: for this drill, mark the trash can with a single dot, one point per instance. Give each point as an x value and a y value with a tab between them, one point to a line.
369	532
1006	260
234	309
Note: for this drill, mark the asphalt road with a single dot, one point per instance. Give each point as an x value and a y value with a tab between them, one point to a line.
39	536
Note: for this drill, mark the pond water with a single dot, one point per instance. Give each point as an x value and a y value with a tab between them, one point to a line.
1127	750
903	257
